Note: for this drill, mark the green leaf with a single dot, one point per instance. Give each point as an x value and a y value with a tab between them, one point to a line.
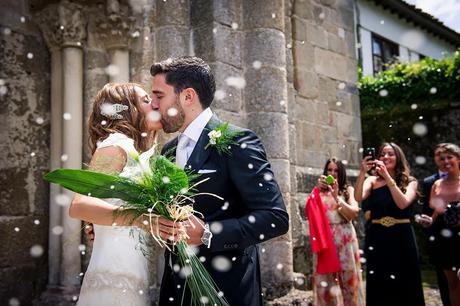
96	184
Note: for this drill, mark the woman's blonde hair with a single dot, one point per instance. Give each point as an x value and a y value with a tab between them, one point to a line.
132	122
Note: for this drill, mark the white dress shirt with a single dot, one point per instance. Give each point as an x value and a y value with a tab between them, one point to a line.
194	130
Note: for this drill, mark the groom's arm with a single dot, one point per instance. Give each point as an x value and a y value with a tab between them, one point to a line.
266	216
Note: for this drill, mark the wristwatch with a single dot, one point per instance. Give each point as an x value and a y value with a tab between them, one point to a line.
207	236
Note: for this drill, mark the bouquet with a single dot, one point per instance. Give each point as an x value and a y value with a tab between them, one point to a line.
162	189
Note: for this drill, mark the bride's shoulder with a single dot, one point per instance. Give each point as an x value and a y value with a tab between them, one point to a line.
114	139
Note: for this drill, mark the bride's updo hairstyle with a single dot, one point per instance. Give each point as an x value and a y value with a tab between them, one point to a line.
116	110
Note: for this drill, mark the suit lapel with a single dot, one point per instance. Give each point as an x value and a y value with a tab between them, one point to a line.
199	154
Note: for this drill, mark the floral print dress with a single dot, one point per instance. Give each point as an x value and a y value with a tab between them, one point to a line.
345	287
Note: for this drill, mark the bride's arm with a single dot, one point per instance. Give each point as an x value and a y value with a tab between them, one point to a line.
109	160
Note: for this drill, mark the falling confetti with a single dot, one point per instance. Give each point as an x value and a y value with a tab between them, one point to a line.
322	16
30	55
221	263
282	102
237	82
257	64
62	199
32	154
143	134
64	157
23	19
273	15
234	25
382	21
279	266
420	160
261	236
36	250
383	93
420	129
214	30
219	94
16	229
37	222
268	177
154	116
447	233
323	284
166	180
67	116
252	219
244	145
136	34
39	120
57	230
112	70
342	85
216	227
338	103
225	206
250	166
172	112
204	299
3	90
82	247
14	302
414	106
392	276
289	46
7	31
433	90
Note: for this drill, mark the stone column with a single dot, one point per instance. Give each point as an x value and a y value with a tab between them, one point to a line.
64	31
265	96
72	61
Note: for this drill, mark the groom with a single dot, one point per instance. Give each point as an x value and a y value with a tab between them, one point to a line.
252	209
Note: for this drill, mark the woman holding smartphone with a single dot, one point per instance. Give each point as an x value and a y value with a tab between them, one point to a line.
393	269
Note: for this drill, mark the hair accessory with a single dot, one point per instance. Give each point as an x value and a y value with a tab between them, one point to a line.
112	110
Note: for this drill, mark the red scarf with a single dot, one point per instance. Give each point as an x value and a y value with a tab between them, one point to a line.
321	239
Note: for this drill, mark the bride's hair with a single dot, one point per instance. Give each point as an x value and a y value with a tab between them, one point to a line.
131	122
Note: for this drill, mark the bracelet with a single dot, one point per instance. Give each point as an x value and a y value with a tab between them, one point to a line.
391	183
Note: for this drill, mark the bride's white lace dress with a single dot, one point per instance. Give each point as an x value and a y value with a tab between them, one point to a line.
118	272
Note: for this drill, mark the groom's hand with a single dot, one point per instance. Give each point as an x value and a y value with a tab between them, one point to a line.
194	228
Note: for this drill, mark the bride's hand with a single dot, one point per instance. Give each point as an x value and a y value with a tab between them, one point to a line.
166	229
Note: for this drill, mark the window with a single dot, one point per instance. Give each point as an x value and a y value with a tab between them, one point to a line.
384	52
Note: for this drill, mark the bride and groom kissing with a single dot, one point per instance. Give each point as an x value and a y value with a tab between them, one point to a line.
125	119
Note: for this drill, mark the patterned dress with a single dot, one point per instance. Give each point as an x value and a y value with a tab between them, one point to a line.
345	287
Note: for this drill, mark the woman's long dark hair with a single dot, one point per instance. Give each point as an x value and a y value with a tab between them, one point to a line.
341	176
402	169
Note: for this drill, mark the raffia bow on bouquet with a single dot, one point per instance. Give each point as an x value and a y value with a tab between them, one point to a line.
161	190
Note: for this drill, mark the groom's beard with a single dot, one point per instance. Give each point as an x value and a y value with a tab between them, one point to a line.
172	124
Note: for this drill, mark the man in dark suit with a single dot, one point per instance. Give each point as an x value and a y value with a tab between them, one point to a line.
252	210
426	221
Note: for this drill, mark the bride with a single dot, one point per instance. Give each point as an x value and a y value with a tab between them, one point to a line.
120	123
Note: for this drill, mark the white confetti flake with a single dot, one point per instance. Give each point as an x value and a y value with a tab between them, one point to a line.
282	102
342	85
103	122
202	258
3	90
146	38
420	129
166	180
370	248
30	55
263	250
414	106
322	16
57	230
67	116
279	266
16	229
341	32
141	292
299	280
64	157
244	145
23	19
273	15
392	276
36	250
225	206
172	112
252	219
289	46
219	94
112	70
371	272
144	134
335	290
82	247
447	233
221	263
7	31
383	92
233	258
112	187
204	300
214	30
32	154
362	260
323	284
176	268
420	160
250	166
37	222
260	185
14	302
431	238
420	117
433	90
268	177
236	81
135	34
220	294
234	25
273	225
338	103
257	65
171	299
154	116
39	120
62	199
261	236
216	227
382	22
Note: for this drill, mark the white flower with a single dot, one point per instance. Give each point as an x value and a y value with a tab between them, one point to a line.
213	136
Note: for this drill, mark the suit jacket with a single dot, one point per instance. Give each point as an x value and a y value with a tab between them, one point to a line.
426	189
252	211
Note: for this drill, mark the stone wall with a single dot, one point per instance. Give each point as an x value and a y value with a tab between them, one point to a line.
24	147
324	114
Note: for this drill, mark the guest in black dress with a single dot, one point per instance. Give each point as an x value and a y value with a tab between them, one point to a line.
445	200
393	269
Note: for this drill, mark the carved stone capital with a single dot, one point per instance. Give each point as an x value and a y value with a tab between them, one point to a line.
118	29
62	25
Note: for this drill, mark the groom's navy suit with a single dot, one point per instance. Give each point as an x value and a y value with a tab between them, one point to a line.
252	211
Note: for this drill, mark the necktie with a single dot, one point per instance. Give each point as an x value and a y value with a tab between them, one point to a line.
181	151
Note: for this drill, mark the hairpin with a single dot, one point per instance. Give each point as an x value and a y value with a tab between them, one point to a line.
112	110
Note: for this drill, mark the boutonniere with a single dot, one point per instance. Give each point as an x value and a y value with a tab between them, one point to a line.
222	138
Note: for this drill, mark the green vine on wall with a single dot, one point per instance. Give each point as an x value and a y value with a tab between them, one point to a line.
428	83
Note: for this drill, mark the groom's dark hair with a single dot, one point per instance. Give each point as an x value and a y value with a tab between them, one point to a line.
188	72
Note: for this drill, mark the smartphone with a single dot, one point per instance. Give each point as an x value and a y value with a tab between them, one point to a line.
369	152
